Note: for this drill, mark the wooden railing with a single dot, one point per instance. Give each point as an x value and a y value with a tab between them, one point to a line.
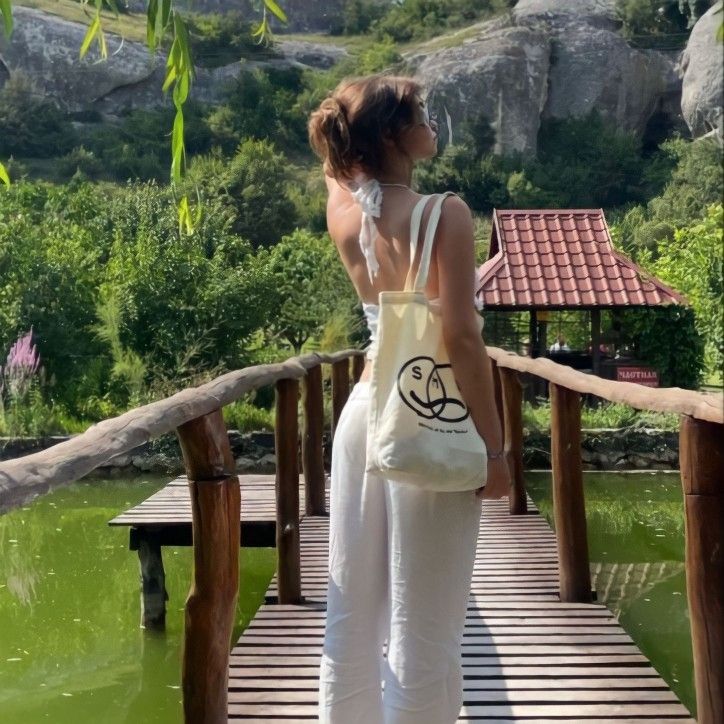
701	458
196	416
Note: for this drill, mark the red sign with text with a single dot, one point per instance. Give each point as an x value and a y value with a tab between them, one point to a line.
641	375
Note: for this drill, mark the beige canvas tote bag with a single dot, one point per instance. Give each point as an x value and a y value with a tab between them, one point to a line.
419	431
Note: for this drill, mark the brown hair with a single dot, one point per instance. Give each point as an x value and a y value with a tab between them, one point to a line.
348	127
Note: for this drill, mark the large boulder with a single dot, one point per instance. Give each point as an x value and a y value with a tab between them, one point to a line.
701	66
46	48
594	68
503	73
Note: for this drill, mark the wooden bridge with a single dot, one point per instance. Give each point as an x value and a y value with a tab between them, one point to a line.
536	648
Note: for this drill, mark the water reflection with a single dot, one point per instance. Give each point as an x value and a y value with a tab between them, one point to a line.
636	548
71	649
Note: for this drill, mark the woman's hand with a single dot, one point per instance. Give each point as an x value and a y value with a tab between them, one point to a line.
499	480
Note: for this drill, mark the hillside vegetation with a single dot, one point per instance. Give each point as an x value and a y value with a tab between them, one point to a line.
123	309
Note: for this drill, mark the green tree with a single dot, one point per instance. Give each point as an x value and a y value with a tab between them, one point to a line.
204	291
667	339
252	188
692	262
261	104
310	285
694	184
51	258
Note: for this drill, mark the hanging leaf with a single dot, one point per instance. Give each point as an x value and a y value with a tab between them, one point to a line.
4	175
181	90
151	12
276	10
93	28
177	147
7	13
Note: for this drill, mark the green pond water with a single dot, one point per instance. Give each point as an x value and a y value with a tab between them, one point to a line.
71	648
635	527
72	651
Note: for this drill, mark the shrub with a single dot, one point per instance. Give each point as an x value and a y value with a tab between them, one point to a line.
667	339
357	17
247	417
420	19
139	148
582	162
310	284
694	184
80	161
692	263
605	415
480	181
31	125
251	187
51	253
660	24
204	291
261	104
219	39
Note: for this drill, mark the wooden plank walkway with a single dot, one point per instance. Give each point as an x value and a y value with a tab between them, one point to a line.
167	513
526	656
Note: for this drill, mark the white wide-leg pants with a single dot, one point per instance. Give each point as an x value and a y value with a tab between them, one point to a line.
400	567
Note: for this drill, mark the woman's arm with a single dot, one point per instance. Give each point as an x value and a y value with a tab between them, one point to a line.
455	254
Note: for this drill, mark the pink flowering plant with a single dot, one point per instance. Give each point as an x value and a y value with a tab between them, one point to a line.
21	367
22	410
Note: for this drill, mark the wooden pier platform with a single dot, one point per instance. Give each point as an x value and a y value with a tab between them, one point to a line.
526	656
166	515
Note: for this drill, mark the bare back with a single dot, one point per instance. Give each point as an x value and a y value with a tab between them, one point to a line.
392	245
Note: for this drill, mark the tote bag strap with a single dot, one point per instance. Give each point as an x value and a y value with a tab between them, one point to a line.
415	219
421	278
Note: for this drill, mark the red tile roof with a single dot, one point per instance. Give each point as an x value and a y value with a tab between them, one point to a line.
562	258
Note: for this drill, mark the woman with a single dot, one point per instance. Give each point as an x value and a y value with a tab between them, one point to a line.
400	558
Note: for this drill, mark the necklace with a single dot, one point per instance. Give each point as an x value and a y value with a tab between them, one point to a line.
402	186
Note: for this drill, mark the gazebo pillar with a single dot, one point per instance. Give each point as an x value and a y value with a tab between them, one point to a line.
596	341
533	333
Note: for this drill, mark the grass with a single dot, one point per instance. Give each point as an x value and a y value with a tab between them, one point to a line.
130	26
610	415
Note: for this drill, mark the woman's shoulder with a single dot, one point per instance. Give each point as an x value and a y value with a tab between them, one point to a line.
455	214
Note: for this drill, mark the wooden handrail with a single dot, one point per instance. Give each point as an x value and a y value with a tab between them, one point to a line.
195	414
702	475
24	478
709	407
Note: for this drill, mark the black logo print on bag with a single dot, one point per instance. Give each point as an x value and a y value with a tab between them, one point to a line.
422	387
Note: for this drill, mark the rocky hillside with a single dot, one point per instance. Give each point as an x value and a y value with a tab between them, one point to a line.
563	58
544	59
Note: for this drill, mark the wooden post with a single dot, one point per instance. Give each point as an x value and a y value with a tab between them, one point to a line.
358	365
312	454
153	582
596	341
569	507
340	389
211	604
498	392
513	420
533	335
289	580
701	456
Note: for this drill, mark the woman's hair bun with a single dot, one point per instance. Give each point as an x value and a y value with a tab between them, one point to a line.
348	129
329	136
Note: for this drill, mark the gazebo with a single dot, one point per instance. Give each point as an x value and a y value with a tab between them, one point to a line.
562	259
